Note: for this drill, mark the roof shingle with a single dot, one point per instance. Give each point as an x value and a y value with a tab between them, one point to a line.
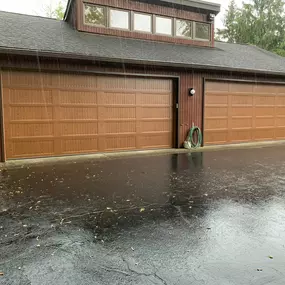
31	34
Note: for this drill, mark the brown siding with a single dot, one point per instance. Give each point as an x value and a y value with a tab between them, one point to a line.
2	146
142	7
190	108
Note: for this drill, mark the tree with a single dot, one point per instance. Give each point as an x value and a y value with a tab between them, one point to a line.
94	15
57	12
280	49
260	22
229	33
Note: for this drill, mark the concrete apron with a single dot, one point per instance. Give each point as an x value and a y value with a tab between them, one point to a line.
136	153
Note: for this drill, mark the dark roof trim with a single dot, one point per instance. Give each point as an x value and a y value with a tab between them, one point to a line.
67	10
137	62
214	8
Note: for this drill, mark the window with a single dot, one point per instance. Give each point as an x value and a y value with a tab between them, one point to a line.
183	28
142	23
163	26
202	31
94	15
103	16
119	19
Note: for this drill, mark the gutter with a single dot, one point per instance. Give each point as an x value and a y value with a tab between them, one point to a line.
48	54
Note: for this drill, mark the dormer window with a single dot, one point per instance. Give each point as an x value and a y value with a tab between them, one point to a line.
202	31
143	22
95	15
163	25
184	28
119	19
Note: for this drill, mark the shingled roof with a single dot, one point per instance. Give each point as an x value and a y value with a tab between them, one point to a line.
23	34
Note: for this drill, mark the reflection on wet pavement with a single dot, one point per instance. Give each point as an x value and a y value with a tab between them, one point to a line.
202	218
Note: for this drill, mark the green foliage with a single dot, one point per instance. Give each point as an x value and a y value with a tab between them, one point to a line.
280	49
94	15
229	33
259	22
57	12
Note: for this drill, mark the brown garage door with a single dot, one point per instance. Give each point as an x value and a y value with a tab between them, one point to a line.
243	112
49	114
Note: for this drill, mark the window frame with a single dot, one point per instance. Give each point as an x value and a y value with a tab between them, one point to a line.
121	10
199	39
144	14
153	25
192	29
161	34
105	11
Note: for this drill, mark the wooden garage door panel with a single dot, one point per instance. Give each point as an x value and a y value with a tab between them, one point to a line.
243	112
79	145
121	142
77	98
29	148
154	140
280	133
115	127
238	123
31	80
25	96
55	114
31	130
75	128
109	99
240	135
216	136
241	100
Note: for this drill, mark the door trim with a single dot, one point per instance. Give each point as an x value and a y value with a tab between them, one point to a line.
2	133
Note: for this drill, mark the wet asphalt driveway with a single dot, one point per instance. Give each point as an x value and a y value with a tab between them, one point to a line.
214	218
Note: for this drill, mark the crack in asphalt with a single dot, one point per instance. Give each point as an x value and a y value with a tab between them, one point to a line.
115	270
62	221
154	274
178	208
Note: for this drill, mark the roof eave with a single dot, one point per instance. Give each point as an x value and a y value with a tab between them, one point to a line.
210	7
49	54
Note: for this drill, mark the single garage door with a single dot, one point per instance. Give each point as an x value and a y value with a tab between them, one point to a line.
48	114
243	112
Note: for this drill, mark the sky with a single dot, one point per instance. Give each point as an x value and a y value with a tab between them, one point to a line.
38	7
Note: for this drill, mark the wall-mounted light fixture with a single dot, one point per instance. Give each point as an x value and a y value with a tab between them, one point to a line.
192	92
211	17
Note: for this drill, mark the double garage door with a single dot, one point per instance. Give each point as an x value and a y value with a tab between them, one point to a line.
51	114
243	112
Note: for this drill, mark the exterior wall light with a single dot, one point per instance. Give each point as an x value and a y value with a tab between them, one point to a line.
211	17
192	92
